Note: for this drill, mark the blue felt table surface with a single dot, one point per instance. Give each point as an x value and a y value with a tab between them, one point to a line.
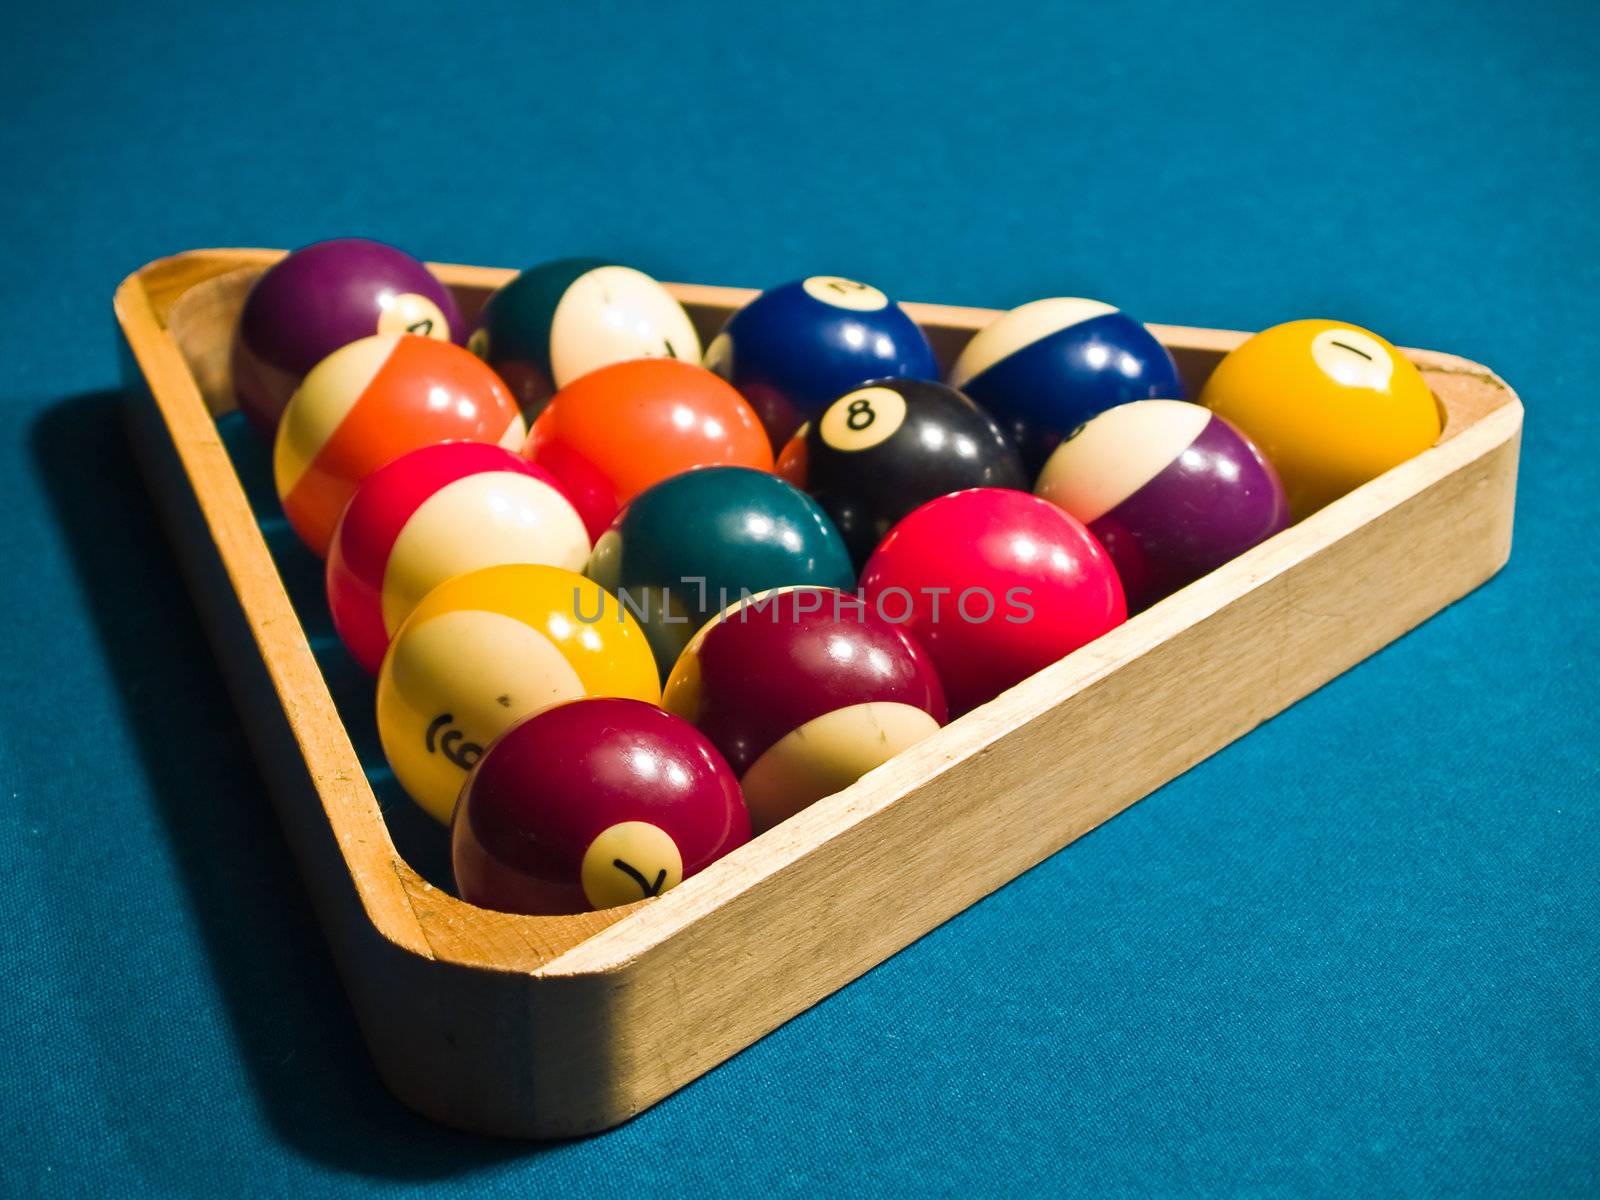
1353	954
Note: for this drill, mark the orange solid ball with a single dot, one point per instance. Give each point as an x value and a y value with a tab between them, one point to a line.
610	434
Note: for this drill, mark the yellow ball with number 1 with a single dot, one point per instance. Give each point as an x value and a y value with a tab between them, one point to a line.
485	649
1331	405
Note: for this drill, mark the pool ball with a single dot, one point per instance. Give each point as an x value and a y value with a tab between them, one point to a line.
1330	404
804	690
691	545
591	804
434	514
617	430
487	648
1170	489
879	451
995	585
319	298
368	403
1045	368
795	349
557	321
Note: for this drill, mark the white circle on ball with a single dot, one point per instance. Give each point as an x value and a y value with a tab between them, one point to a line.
840	292
613	314
1022	327
630	861
865	418
1353	358
481	520
409	312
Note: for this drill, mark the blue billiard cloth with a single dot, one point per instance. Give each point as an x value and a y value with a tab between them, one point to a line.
1356	953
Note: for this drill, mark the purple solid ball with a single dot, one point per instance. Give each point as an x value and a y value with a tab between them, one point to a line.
1170	489
322	297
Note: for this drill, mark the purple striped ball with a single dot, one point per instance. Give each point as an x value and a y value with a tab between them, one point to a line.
1172	491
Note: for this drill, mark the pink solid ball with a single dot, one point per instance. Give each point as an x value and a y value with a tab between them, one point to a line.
995	584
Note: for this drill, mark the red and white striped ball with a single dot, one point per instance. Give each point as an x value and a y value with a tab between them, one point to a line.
431	515
368	403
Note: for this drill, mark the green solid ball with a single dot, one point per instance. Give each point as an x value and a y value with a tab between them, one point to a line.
562	319
691	545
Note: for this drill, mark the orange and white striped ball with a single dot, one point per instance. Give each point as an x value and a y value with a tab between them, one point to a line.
368	403
431	515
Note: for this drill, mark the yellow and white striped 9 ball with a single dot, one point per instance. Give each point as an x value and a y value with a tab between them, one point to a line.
1331	405
487	648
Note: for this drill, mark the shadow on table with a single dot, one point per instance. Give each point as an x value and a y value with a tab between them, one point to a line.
293	1024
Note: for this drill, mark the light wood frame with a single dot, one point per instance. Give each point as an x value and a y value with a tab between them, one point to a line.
553	1026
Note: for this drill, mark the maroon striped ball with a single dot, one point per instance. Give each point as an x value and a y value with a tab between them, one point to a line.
804	690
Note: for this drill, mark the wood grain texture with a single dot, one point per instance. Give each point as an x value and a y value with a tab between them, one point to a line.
550	1026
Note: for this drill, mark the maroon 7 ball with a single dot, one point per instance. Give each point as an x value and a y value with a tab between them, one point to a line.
804	690
592	804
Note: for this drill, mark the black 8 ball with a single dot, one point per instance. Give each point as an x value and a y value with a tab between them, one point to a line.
885	448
